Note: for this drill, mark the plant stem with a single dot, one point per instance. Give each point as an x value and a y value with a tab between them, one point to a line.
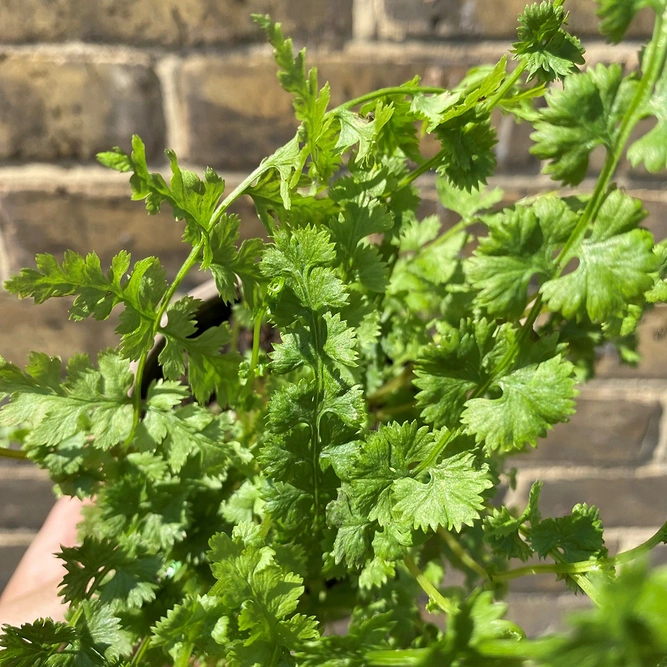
254	359
586	565
428	588
143	647
455	546
192	259
492	102
412	657
525	649
184	657
7	453
386	92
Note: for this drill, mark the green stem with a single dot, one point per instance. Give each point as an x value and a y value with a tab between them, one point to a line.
7	453
254	359
525	649
492	102
422	169
455	546
386	92
399	658
141	651
236	193
192	259
428	588
587	565
184	657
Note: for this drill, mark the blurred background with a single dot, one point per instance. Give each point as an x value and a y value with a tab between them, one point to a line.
80	76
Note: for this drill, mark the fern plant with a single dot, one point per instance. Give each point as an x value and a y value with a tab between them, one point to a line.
249	501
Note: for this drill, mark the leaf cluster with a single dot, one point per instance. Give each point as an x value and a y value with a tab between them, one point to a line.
337	448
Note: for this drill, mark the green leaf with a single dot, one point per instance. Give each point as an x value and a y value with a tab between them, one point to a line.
547	51
651	149
467	142
191	198
446	373
451	498
616	261
467	203
355	129
196	626
533	399
301	257
134	578
616	15
33	644
582	116
576	537
252	586
90	400
502	530
522	244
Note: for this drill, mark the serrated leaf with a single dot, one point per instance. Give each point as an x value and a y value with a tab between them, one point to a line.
582	116
547	51
616	15
451	498
533	399
615	264
522	244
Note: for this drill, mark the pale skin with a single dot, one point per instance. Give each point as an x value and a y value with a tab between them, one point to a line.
32	592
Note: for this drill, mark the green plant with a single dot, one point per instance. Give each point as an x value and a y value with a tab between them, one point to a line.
350	469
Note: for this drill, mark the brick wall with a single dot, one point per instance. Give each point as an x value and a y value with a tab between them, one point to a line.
79	76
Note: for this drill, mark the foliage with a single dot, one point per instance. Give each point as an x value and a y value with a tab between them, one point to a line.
250	496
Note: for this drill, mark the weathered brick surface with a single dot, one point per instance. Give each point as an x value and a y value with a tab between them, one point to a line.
27	498
623	499
25	327
602	433
53	222
54	110
481	18
170	23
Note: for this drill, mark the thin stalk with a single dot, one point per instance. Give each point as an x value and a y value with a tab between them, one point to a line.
254	359
428	588
526	649
386	92
185	656
493	101
411	657
141	651
192	259
7	453
455	546
422	169
587	565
